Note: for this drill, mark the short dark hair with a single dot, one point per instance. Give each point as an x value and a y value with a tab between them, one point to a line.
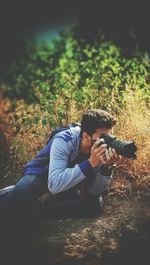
94	119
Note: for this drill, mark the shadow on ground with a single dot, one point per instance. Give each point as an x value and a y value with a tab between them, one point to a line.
133	247
119	236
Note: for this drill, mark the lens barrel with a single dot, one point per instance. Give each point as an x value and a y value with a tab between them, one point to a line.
124	148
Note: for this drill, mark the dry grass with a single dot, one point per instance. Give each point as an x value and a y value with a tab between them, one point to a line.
134	124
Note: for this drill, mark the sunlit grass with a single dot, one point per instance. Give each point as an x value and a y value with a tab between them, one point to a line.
133	123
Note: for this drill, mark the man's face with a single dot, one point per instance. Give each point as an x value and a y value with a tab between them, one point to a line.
89	140
99	133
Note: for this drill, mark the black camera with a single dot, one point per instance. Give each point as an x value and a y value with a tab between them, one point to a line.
124	148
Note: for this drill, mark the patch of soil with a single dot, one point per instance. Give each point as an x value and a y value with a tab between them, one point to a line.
120	235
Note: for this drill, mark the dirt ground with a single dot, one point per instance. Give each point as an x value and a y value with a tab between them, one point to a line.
120	235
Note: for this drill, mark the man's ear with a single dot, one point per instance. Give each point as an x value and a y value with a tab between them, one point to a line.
85	136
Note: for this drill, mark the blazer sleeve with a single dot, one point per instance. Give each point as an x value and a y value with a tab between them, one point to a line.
60	176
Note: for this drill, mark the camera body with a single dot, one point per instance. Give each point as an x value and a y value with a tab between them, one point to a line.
124	148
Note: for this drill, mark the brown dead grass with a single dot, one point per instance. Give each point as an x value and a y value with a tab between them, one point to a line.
134	124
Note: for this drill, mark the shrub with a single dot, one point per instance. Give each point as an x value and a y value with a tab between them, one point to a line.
72	72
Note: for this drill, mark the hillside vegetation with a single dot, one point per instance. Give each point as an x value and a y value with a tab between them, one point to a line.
53	84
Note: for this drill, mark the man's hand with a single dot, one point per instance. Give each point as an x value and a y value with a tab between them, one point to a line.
111	157
102	155
97	153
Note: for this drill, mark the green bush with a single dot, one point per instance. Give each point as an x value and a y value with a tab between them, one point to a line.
70	72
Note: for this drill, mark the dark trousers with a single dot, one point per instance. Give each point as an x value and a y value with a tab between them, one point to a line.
24	197
21	214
